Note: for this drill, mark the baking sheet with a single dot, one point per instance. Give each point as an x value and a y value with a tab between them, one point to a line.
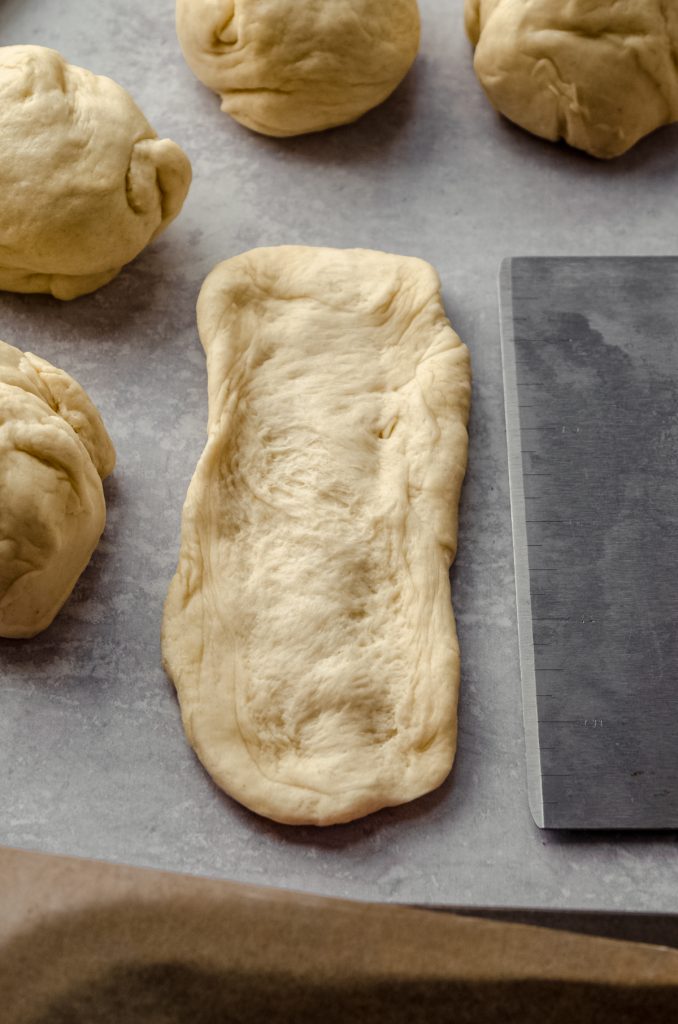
92	755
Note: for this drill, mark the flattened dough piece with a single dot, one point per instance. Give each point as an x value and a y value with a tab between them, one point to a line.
309	629
85	183
284	67
54	453
599	75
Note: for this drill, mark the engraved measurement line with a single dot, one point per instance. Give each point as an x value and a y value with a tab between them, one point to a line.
577	775
566	775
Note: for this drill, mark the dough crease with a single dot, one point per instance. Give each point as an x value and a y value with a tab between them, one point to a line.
85	183
599	75
286	68
54	453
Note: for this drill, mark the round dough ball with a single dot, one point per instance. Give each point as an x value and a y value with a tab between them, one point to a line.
85	183
599	75
285	67
54	453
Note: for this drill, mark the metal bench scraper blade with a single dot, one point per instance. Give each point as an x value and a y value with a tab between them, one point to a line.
590	356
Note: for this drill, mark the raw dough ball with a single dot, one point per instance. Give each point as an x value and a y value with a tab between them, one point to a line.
309	629
598	74
85	183
285	67
54	453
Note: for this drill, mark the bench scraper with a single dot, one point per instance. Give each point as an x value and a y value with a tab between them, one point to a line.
590	357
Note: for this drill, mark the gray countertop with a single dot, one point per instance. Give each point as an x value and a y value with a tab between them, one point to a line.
93	759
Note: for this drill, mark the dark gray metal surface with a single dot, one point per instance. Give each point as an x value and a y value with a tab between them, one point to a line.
590	353
653	929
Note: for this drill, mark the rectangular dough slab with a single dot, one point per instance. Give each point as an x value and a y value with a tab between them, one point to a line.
309	628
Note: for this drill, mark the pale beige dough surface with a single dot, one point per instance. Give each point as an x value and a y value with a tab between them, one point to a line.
85	183
309	628
54	453
598	74
283	67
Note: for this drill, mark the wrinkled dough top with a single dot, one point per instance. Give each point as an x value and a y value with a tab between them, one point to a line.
85	183
309	628
54	449
284	68
599	75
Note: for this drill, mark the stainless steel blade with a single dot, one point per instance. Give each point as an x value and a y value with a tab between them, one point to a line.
590	356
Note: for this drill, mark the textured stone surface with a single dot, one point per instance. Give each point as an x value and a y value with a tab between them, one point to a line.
93	759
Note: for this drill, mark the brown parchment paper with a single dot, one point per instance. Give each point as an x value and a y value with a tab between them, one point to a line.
86	943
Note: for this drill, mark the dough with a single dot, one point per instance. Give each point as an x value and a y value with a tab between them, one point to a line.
85	183
309	629
54	452
284	67
598	74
